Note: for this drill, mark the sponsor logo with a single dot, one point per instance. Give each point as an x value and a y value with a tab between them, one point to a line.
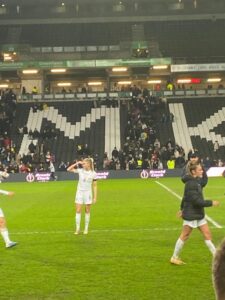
40	177
145	174
30	177
102	175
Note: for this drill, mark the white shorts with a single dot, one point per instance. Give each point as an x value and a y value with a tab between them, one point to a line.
195	223
1	213
83	197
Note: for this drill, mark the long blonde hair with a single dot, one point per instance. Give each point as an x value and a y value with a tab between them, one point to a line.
90	161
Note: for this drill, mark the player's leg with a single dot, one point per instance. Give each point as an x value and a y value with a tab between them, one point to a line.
186	231
78	217
4	232
87	217
78	206
208	237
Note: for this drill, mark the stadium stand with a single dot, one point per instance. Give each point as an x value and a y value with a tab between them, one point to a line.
64	128
144	132
176	39
67	34
180	39
203	120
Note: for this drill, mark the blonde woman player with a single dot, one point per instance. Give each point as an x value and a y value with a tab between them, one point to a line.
87	182
3	228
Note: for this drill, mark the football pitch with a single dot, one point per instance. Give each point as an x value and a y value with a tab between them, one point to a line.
126	254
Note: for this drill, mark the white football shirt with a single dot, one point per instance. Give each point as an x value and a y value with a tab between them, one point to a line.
85	179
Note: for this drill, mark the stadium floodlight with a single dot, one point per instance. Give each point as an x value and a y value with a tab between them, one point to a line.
187	80
155	81
58	70
31	71
95	83
162	67
7	58
64	84
119	69
4	85
214	80
124	82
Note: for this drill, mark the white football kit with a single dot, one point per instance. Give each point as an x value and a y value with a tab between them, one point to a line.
3	193
84	188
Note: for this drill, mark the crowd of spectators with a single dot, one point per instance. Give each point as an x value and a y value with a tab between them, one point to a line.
7	113
142	148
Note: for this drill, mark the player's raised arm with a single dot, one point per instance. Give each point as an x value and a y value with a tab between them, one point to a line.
72	167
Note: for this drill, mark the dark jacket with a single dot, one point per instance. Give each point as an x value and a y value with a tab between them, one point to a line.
193	203
202	181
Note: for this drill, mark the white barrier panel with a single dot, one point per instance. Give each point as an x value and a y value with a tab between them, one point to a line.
216	172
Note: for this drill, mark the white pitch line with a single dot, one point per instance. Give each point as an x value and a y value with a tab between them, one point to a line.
97	231
217	225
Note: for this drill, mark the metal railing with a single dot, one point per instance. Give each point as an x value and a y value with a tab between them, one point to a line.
119	95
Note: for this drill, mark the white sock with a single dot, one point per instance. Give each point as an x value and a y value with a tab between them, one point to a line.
77	220
87	220
178	247
211	247
5	235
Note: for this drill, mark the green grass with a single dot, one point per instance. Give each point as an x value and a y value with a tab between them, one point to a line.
126	254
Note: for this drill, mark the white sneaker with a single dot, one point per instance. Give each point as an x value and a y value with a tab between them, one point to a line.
176	261
11	244
85	231
77	232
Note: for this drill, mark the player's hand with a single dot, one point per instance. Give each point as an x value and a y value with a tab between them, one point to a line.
179	214
94	200
216	203
78	163
11	194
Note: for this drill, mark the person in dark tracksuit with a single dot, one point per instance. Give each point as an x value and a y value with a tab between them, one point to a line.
192	211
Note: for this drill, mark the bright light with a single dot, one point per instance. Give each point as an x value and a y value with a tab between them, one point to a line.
7	58
30	71
184	80
6	54
214	80
58	70
119	69
4	85
155	81
95	83
162	67
3	5
64	84
124	82
63	4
